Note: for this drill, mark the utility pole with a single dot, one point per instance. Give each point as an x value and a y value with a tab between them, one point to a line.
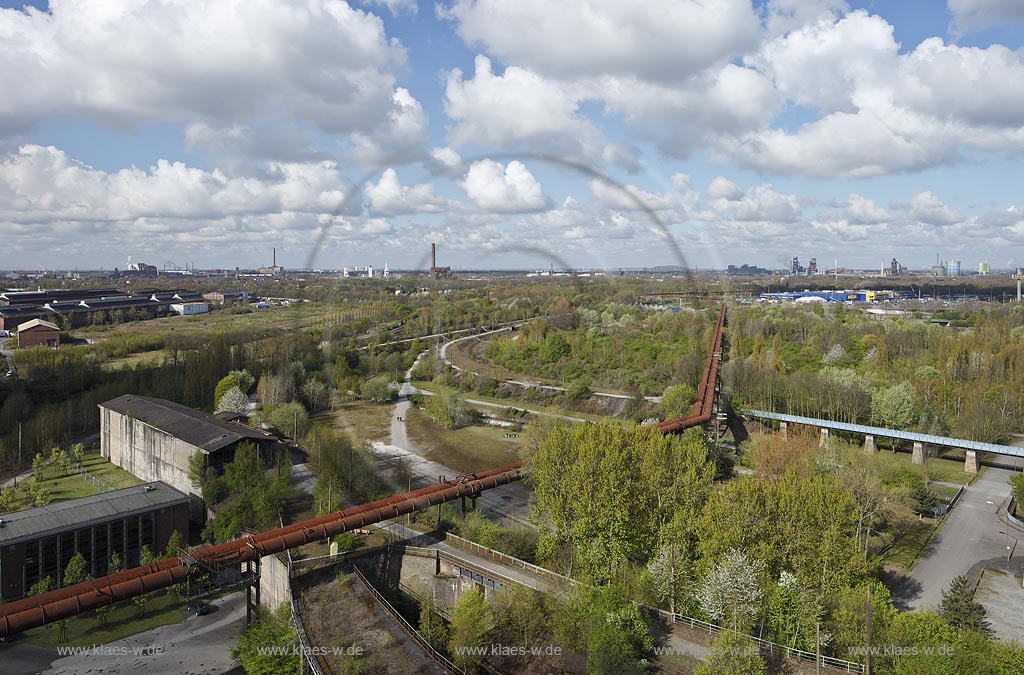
817	647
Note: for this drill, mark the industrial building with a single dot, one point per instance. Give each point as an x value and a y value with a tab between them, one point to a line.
230	297
39	542
836	296
154	439
38	333
190	308
435	271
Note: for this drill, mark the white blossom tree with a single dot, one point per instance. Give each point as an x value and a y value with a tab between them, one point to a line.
730	592
233	401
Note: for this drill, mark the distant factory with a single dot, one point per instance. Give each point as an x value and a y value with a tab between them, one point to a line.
836	296
435	271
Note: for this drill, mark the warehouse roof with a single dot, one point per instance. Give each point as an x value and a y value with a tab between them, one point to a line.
36	323
203	430
42	521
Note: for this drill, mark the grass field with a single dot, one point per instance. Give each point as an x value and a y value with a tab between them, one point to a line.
468	449
75	485
512	403
155	357
362	419
904	552
949	468
123	620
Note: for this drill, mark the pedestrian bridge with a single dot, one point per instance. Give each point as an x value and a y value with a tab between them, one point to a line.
869	433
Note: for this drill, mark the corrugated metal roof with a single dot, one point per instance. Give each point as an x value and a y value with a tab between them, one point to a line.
42	521
197	428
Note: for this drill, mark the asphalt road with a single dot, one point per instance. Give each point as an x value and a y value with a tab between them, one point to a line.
200	645
973	532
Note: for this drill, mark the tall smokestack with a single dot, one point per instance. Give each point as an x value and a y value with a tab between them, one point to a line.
433	255
274	264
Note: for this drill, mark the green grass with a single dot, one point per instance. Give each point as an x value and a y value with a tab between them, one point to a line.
469	449
905	552
132	360
362	419
74	485
947	468
162	609
514	403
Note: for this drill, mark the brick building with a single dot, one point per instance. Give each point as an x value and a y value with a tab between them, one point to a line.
38	333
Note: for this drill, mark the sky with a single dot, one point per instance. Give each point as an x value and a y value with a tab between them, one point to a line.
527	134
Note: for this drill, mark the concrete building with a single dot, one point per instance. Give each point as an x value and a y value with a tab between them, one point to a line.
154	439
190	308
38	542
232	297
38	333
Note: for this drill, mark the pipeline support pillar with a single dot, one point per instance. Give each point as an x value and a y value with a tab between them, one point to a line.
784	430
918	457
869	445
971	462
823	439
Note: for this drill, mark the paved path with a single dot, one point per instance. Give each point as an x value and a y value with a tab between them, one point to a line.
973	531
200	645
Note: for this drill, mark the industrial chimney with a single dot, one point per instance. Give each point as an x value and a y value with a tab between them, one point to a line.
433	255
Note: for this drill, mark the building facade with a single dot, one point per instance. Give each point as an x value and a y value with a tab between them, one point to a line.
155	439
39	542
38	333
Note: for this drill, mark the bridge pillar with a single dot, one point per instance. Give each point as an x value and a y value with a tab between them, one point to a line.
869	445
971	462
918	457
823	438
784	430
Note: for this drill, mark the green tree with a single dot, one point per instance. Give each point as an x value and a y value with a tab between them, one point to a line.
38	462
1017	485
677	400
432	628
270	630
244	379
732	653
115	564
314	392
59	460
894	407
960	610
729	592
470	624
78	454
197	469
226	384
44	585
292	419
379	389
76	571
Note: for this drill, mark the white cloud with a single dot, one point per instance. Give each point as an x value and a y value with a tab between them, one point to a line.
882	111
663	40
864	211
721	187
503	189
401	137
759	203
623	155
631	197
218	61
928	208
504	109
974	14
446	158
390	197
782	16
396	7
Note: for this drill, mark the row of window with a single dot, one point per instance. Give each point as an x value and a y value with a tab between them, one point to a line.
49	557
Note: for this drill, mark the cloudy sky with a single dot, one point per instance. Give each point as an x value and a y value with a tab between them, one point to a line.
515	134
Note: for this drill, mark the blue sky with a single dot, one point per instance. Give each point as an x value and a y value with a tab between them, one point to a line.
748	133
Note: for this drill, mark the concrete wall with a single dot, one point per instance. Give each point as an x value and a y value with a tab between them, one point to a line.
275	584
149	454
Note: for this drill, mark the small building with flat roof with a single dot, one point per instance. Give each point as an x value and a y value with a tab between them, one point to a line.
39	542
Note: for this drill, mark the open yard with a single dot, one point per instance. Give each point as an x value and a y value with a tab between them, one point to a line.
363	420
74	485
468	449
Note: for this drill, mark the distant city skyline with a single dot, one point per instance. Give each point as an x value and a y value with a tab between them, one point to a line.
746	131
